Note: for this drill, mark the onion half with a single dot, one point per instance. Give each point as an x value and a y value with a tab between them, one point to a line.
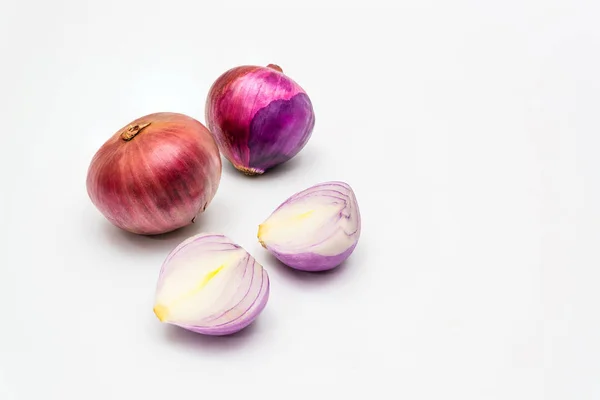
210	285
156	174
315	229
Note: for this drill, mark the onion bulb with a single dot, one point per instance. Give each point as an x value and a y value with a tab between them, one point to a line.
156	174
210	285
315	229
259	117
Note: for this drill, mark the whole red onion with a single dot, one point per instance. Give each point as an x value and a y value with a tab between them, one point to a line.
259	117
155	174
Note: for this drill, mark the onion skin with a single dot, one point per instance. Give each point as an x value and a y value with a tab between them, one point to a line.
259	117
314	230
210	285
312	262
156	174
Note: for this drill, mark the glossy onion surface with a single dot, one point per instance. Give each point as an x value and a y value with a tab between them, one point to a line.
315	229
156	174
210	285
259	117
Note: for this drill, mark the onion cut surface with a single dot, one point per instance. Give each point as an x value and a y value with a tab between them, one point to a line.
314	230
210	285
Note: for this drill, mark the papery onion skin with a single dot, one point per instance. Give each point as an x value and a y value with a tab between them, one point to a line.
329	244
246	281
259	117
156	174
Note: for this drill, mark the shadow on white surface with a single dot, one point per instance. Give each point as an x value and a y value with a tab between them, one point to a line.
209	221
182	337
164	242
304	159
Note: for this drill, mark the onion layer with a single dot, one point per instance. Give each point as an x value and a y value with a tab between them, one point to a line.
210	285
259	117
315	229
156	174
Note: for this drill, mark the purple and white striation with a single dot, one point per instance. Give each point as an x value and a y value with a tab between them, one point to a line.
315	229
259	117
210	285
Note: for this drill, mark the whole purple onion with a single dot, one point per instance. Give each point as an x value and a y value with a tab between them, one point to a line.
315	229
210	285
259	117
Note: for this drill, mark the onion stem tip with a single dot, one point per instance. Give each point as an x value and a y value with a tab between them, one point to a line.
132	131
275	67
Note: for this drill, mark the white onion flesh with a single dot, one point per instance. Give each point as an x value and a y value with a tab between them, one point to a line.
315	228
208	284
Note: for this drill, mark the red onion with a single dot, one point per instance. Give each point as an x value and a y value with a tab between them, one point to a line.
259	117
315	229
155	174
210	285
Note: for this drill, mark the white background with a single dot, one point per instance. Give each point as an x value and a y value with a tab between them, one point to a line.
469	131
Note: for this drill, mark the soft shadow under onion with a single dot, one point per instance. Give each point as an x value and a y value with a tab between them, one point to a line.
302	160
191	340
210	220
